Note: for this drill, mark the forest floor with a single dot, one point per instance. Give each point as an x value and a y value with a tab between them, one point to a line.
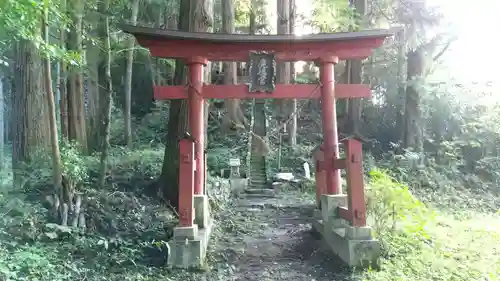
272	240
263	239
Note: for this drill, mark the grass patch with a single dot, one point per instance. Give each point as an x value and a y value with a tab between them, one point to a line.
459	248
423	244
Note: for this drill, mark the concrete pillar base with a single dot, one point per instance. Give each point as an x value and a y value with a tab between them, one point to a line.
358	233
201	210
186	251
353	245
186	232
329	205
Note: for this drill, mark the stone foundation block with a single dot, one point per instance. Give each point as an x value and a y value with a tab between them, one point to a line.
329	205
186	232
187	252
358	233
201	210
360	252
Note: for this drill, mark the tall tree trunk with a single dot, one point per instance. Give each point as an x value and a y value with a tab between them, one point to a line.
235	115
193	17
161	13
355	74
253	17
63	93
283	23
400	37
292	104
54	139
94	59
105	73
29	115
2	125
413	131
128	77
76	105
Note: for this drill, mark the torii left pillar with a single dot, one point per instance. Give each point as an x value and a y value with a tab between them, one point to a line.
196	113
189	244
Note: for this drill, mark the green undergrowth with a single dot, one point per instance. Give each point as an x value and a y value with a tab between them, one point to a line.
427	232
127	223
422	243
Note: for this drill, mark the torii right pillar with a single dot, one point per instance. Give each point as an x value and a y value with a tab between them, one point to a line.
341	218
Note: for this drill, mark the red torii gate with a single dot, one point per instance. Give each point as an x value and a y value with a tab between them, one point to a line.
196	49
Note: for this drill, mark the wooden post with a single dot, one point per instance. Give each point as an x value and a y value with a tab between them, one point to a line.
329	120
196	118
205	172
355	184
186	181
320	176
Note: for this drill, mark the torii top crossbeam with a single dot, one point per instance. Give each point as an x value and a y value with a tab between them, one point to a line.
235	47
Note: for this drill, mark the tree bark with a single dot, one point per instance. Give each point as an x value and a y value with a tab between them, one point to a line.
292	104
2	124
94	60
400	105
235	115
30	123
355	74
283	23
194	16
128	77
63	94
54	139
76	104
416	66
107	92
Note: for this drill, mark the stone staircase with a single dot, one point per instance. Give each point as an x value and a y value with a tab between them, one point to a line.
258	186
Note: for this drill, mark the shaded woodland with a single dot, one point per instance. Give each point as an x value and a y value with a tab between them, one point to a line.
87	153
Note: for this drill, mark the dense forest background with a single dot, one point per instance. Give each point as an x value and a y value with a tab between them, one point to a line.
83	143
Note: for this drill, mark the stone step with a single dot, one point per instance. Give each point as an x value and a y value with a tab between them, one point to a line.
260	191
261	181
261	170
258	180
259	185
258	167
248	195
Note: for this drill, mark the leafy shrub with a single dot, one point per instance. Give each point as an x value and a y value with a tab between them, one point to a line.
394	211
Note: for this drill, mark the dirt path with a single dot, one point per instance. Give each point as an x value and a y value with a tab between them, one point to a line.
270	239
